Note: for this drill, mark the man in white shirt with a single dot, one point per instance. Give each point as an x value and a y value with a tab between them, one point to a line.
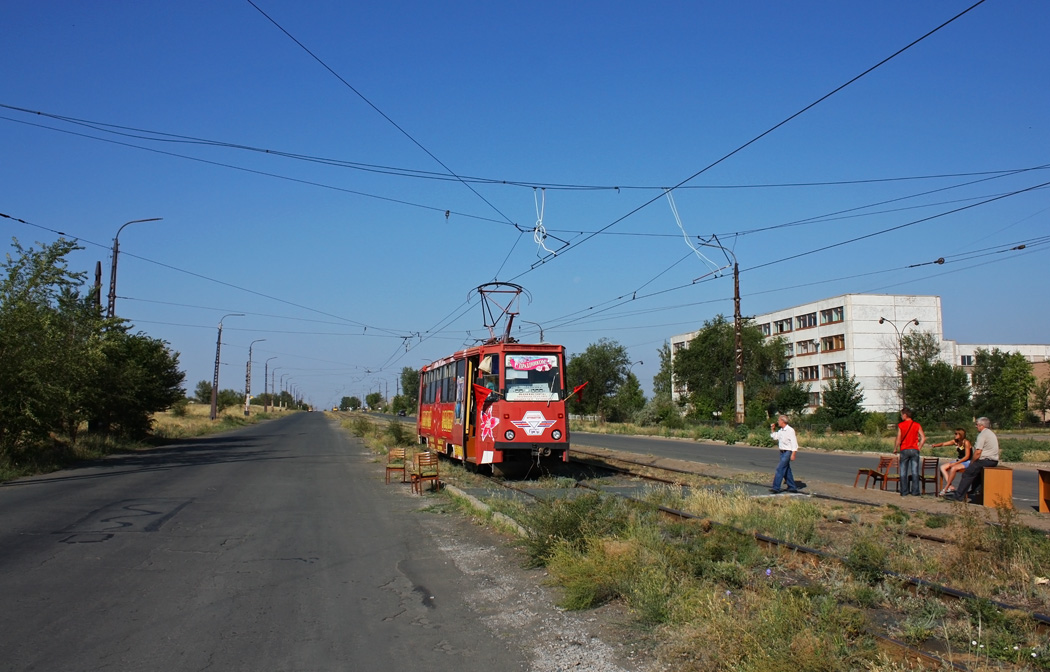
785	436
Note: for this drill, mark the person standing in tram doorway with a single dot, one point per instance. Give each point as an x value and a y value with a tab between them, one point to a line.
788	442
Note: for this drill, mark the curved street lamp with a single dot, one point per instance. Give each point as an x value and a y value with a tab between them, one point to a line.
112	307
215	381
248	376
900	346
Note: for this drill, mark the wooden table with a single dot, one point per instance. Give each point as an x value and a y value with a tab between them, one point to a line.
1044	490
998	487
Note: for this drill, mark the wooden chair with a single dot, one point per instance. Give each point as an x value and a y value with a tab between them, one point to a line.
396	460
930	473
885	471
426	470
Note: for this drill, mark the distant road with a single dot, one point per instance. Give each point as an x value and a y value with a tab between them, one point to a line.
809	465
274	547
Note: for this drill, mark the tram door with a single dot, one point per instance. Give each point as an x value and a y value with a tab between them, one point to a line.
469	419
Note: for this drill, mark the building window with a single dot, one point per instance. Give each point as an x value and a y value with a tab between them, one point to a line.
764	328
835	370
786	376
832	315
809	373
966	360
806	321
831	343
809	347
814	399
782	326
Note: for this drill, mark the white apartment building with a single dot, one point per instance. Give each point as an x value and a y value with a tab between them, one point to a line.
859	335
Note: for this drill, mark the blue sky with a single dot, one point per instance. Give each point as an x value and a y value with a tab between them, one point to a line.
351	274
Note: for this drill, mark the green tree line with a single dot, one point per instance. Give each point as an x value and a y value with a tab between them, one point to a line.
65	367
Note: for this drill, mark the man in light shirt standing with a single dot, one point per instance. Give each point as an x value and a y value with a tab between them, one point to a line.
985	454
785	436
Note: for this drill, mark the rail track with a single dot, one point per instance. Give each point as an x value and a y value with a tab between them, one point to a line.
892	647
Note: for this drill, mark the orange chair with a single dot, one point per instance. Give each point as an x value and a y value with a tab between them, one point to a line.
426	470
885	471
396	460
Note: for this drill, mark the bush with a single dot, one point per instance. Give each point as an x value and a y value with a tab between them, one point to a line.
571	521
874	424
399	434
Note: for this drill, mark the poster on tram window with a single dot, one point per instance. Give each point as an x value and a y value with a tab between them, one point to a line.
531	377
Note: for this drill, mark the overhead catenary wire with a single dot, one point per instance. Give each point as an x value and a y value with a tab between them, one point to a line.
764	133
173	138
379	111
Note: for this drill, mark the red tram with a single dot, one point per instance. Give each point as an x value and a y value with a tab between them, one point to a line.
497	403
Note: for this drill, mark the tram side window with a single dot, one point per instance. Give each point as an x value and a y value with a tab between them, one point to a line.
488	372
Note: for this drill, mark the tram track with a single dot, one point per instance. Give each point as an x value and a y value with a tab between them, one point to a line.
916	583
894	648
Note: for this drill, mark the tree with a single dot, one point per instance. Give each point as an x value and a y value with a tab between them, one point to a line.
937	391
843	397
628	400
202	393
790	398
374	400
230	398
410	386
1002	382
49	347
708	367
1041	398
662	380
604	366
140	376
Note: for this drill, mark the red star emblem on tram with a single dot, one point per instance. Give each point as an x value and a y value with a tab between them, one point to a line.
488	423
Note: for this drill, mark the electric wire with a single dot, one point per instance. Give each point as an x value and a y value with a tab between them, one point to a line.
167	137
379	111
764	133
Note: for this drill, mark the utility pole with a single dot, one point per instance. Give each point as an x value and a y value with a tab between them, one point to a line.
218	346
738	344
266	375
248	377
111	310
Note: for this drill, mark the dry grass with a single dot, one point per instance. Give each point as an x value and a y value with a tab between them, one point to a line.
195	421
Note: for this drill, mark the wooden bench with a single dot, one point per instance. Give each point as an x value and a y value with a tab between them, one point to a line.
396	460
426	469
885	471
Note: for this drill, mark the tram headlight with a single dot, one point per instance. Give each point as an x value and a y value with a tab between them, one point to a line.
556	435
509	435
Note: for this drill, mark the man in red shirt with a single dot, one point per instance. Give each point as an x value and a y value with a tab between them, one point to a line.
910	440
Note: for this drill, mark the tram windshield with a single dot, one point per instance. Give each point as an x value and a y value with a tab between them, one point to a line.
532	377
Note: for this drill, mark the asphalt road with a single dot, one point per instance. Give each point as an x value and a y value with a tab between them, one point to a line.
268	548
812	466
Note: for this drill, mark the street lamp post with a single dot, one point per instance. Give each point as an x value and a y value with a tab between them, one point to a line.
215	381
248	376
900	347
112	307
538	325
266	377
